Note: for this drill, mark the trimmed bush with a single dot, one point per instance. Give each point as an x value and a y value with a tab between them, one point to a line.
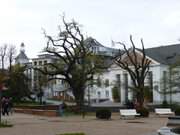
165	104
72	110
144	112
103	114
177	111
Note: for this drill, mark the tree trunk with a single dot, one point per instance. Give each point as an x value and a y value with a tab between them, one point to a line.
79	99
2	62
140	98
40	100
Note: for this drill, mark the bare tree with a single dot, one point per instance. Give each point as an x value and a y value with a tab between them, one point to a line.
75	63
3	51
137	65
11	53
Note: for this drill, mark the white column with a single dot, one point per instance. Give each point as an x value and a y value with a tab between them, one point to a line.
122	89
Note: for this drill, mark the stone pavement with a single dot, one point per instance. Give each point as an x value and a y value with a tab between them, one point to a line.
37	125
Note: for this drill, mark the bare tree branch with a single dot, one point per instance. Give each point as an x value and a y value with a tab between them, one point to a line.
136	65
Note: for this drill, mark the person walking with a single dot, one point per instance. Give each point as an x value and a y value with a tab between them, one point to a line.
5	106
62	106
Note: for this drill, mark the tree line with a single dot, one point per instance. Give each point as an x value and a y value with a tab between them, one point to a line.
7	55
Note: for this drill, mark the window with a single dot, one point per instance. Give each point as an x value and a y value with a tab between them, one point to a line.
107	94
150	80
164	81
45	62
107	83
94	49
118	83
99	94
126	86
156	88
97	49
40	63
35	63
118	80
99	82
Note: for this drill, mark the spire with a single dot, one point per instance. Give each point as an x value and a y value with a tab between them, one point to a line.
22	49
22	58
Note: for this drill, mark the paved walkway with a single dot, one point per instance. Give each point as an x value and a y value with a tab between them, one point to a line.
36	125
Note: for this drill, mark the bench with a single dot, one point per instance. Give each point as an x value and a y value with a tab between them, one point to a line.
163	111
128	113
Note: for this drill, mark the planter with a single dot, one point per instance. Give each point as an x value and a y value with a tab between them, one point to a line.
174	121
176	131
169	131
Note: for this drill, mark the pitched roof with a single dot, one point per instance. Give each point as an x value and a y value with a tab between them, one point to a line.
91	42
164	54
22	55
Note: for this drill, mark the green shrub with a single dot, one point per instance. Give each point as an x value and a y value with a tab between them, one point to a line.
174	106
72	134
103	114
144	112
177	111
165	104
72	110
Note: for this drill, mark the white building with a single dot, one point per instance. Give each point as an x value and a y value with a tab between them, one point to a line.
161	58
52	88
22	57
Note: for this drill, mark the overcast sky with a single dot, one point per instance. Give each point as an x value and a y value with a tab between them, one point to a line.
156	21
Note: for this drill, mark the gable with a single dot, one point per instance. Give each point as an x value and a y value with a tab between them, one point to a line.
139	56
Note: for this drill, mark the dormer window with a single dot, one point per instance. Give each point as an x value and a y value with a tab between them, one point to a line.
40	63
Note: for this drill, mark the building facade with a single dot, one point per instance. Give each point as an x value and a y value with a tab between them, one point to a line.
157	79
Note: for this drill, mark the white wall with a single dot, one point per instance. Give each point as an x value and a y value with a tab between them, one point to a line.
157	72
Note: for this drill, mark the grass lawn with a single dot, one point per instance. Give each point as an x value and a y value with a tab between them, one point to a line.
73	134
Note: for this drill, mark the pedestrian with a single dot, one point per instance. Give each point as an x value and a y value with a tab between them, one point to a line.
5	107
62	106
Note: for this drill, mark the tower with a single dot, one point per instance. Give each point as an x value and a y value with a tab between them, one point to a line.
22	57
22	47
